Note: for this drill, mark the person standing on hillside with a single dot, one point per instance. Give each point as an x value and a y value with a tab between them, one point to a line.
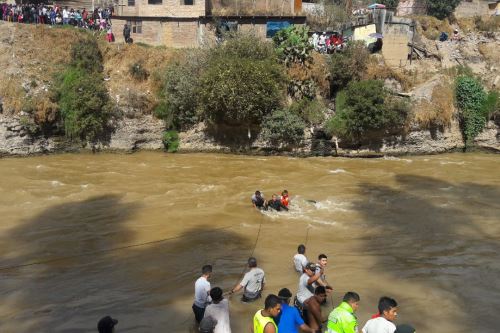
126	33
201	293
252	283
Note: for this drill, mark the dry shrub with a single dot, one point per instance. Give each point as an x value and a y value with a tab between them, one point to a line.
487	24
490	51
466	24
316	70
380	71
432	27
439	111
46	111
12	96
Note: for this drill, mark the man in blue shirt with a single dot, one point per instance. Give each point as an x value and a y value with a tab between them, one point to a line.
290	320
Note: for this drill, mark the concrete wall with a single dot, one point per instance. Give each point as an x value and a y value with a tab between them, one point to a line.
397	35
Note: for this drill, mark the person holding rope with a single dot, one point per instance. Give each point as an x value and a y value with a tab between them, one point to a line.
320	269
313	304
252	283
202	293
290	320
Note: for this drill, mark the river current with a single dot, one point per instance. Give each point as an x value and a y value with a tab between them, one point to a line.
84	236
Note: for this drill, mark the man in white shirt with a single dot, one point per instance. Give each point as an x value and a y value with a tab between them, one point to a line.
252	283
306	283
300	260
219	310
387	308
201	293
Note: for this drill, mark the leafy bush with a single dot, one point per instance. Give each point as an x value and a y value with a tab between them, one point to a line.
85	104
283	127
441	8
311	111
81	94
180	91
292	44
471	98
491	105
348	66
85	54
171	141
365	109
240	90
138	72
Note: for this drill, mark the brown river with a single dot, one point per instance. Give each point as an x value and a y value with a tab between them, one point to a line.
83	236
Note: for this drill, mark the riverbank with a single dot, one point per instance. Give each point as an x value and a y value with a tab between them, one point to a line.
31	123
144	133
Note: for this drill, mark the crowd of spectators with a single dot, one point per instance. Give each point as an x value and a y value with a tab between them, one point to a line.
99	19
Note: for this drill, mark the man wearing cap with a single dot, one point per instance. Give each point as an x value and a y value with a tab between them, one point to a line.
252	283
290	320
106	325
306	281
201	293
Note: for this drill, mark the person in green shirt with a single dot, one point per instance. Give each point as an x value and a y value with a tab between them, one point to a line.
342	319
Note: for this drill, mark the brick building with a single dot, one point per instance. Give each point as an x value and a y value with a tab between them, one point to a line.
193	23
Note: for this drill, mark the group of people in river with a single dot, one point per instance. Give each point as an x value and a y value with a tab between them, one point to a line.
211	309
277	203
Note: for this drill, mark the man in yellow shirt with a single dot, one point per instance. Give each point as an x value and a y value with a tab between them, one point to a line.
263	321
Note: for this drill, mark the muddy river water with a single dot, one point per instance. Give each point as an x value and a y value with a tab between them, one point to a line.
83	236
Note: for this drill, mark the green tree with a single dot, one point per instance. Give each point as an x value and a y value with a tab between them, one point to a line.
348	66
178	105
364	109
292	44
84	103
441	8
471	100
241	90
283	127
81	95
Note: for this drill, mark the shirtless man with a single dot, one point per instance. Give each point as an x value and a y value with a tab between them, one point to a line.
313	305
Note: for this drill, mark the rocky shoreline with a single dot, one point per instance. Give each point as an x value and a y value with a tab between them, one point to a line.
145	133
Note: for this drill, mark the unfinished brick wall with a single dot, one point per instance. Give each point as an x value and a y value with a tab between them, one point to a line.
171	8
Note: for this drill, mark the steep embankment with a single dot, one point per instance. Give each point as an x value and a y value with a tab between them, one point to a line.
31	56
